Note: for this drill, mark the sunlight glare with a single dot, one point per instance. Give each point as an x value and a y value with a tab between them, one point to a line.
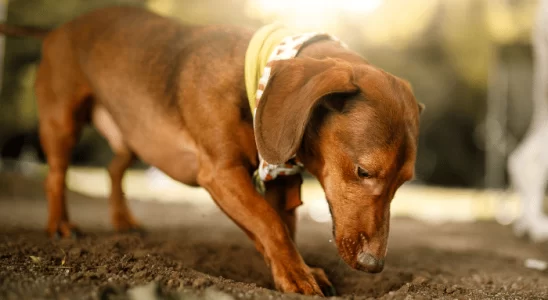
361	6
313	13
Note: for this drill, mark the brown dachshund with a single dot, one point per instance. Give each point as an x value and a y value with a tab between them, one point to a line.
175	96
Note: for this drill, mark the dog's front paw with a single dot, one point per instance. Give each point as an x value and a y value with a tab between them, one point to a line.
63	229
124	222
327	287
296	280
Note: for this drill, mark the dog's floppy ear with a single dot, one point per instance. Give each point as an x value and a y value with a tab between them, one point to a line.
295	87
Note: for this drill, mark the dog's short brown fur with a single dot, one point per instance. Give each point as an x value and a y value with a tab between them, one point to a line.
174	96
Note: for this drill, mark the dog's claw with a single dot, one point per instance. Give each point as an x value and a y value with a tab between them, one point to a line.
329	291
325	285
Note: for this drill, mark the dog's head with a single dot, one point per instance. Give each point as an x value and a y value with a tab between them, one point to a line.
355	127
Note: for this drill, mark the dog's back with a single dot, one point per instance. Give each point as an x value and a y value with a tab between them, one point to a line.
121	47
117	58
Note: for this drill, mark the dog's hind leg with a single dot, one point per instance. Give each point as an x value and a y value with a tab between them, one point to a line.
58	139
61	118
121	216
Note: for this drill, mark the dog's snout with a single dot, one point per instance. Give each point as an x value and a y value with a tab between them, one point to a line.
369	263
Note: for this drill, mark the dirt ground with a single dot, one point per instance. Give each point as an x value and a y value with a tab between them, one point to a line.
196	253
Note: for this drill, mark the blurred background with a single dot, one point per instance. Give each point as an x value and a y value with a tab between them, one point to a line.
469	62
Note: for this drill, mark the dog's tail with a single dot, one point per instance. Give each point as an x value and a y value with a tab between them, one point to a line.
23	31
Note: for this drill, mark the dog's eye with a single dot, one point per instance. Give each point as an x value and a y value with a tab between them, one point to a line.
363	173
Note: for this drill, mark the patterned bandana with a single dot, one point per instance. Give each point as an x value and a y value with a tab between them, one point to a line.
288	48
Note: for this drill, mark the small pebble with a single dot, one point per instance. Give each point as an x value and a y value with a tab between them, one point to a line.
171	283
75	252
536	264
477	278
200	282
140	274
138	266
420	280
102	270
451	290
140	253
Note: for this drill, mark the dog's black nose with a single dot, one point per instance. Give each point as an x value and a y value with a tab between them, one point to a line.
369	263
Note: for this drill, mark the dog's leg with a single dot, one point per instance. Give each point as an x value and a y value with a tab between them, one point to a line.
231	187
58	135
63	99
62	114
121	216
284	195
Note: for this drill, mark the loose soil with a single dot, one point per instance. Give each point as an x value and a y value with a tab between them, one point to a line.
195	253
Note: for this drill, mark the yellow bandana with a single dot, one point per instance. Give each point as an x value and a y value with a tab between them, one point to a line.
258	52
270	43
